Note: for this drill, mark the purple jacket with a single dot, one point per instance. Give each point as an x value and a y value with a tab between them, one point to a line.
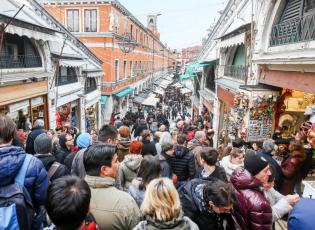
252	211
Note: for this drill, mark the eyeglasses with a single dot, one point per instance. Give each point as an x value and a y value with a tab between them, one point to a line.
69	140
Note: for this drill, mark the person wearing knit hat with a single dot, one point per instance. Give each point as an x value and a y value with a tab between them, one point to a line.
252	203
84	140
43	149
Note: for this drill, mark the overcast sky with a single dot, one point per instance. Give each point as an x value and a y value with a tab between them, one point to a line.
183	23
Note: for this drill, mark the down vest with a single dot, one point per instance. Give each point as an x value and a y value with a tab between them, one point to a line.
36	179
252	211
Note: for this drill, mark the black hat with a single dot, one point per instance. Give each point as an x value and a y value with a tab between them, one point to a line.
254	164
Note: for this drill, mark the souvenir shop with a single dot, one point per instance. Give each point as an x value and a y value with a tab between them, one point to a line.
68	115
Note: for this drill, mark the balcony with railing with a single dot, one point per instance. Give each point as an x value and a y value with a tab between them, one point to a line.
19	61
237	72
298	29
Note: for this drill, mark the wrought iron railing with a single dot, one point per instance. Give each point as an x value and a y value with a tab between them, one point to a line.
19	61
65	80
237	72
295	30
90	89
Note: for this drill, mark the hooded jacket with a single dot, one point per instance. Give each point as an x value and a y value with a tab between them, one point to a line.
182	163
123	148
195	146
112	208
194	207
36	179
181	223
128	169
48	160
228	166
252	210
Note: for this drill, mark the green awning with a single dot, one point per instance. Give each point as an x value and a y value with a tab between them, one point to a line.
125	92
103	100
186	76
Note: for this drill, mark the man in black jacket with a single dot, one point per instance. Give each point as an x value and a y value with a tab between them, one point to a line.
38	129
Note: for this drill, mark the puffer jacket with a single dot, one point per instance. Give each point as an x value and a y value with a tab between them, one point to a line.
228	166
128	169
48	160
181	223
217	174
252	210
31	138
123	148
182	163
194	207
195	146
36	179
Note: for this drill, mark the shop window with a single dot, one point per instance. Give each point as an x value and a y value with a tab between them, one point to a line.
18	52
239	57
90	20
90	85
73	20
116	70
67	75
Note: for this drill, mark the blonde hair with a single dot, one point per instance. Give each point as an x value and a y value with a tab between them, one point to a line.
161	200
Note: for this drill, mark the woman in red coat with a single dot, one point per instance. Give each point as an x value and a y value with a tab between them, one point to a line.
291	167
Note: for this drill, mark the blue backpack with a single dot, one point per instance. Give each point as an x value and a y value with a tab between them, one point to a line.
16	208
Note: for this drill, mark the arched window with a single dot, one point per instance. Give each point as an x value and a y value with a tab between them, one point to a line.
18	52
239	57
90	85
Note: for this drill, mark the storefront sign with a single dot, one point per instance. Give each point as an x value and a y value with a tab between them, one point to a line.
17	106
37	101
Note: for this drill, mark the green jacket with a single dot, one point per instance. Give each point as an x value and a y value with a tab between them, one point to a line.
112	208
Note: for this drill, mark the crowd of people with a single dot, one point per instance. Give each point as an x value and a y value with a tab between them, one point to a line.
147	172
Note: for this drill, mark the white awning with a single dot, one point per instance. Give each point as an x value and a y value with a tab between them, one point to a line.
92	98
150	101
178	85
233	41
95	74
11	29
159	91
185	91
71	63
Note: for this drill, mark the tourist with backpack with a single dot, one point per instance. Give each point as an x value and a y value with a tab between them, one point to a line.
43	149
23	183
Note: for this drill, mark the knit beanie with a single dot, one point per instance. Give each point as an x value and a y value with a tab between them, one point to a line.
43	144
254	164
84	140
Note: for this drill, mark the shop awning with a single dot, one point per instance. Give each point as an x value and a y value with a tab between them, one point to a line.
178	85
159	91
103	99
151	101
227	83
185	91
125	92
71	63
12	77
233	41
186	76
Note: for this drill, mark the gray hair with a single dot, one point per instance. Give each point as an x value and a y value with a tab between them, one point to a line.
269	145
200	134
165	138
39	123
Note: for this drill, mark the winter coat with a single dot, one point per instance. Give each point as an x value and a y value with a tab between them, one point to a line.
278	173
302	215
228	166
112	208
182	163
181	223
128	169
123	148
31	138
217	174
194	207
148	148
252	210
166	169
291	174
48	160
36	178
77	167
279	204
135	191
61	155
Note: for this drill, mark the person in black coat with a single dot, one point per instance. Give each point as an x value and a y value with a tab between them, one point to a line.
43	148
37	130
66	143
210	171
164	158
148	146
182	161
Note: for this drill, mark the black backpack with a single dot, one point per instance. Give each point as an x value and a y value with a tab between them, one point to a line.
16	207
